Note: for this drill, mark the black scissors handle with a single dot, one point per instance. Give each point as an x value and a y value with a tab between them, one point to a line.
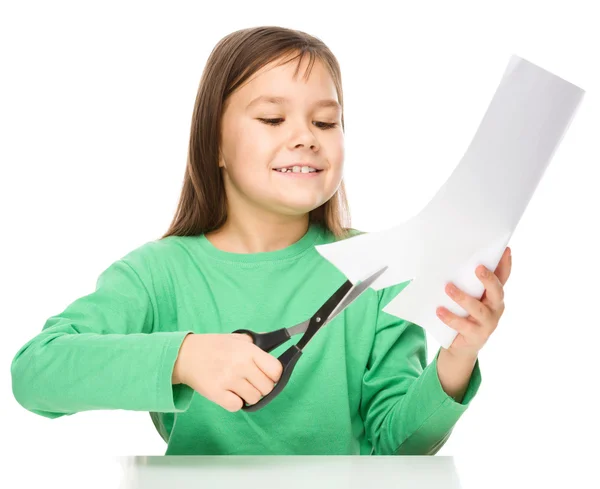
267	341
289	358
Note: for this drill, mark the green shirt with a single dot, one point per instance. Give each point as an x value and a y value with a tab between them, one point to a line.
362	385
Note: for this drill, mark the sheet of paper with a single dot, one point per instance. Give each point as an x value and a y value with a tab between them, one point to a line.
473	215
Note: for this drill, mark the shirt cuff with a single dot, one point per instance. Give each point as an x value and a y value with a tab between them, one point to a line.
172	397
434	431
437	391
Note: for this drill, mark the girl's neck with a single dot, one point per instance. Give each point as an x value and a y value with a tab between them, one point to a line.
257	237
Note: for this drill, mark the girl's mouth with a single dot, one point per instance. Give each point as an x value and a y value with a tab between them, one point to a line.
297	174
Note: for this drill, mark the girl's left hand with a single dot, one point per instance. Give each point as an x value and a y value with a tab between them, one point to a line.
474	330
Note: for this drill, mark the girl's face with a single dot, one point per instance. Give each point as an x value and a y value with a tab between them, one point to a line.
306	130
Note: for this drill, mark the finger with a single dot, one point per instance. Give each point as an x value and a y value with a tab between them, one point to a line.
246	391
504	266
494	290
268	364
480	312
464	326
244	336
263	383
229	400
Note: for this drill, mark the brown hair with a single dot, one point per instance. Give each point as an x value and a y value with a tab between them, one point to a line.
202	204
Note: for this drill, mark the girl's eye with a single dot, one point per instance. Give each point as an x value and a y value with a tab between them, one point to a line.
276	122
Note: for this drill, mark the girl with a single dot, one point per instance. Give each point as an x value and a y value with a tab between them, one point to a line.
263	185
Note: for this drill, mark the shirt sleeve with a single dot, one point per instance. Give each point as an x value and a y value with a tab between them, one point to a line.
102	352
405	408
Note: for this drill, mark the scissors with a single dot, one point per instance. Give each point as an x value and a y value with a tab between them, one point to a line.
339	300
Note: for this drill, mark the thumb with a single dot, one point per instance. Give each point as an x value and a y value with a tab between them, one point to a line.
244	336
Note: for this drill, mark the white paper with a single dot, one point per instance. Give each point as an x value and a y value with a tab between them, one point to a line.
472	217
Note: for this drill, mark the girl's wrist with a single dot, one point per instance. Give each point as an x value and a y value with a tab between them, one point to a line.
179	367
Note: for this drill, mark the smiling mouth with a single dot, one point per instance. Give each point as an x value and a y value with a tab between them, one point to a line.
298	174
289	170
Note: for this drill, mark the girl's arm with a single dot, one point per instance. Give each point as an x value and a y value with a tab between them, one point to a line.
454	373
405	408
99	354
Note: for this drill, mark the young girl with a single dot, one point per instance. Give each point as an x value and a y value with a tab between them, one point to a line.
156	334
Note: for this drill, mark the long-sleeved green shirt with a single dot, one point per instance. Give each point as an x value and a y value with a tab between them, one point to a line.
362	385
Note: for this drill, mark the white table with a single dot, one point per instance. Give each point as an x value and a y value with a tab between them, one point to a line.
565	469
289	472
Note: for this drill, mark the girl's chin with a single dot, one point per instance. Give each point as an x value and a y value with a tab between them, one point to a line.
298	206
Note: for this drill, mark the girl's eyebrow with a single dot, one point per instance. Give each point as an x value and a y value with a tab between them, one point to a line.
271	99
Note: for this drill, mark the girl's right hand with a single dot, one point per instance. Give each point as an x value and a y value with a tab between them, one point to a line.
227	369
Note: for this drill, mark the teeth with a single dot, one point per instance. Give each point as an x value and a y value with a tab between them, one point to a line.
297	169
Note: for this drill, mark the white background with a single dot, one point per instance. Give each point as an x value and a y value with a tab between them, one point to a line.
96	101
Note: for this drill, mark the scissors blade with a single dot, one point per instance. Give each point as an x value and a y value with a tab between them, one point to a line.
299	328
355	292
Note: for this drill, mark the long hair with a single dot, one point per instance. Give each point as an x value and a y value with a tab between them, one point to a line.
202	204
